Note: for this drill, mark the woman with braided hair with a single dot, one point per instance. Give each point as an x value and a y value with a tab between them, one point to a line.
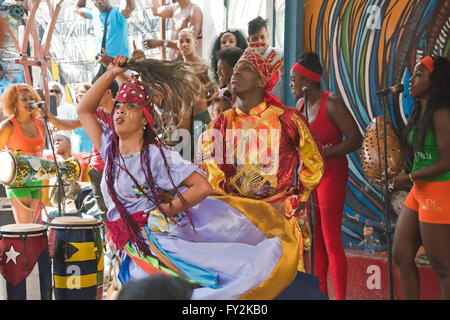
160	211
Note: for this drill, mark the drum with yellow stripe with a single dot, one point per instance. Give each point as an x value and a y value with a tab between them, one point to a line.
77	252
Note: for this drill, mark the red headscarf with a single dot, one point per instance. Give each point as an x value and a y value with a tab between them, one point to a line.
134	91
428	62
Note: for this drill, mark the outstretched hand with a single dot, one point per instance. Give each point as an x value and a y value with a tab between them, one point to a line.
151	43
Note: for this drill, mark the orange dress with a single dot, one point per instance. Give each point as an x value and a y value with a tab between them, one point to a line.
19	141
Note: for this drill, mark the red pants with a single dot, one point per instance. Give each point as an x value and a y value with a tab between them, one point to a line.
329	200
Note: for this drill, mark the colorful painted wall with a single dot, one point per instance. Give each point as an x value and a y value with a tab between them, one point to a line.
367	45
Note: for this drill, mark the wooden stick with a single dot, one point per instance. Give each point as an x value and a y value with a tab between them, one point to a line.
163	33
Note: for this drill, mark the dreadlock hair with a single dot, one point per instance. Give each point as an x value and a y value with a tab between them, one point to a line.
420	123
154	195
172	81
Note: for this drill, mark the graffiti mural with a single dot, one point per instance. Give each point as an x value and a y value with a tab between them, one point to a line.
366	46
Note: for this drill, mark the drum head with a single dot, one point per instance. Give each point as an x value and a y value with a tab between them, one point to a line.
67	222
21	229
8	167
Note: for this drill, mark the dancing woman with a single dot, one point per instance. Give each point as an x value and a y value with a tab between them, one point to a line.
231	247
24	131
425	217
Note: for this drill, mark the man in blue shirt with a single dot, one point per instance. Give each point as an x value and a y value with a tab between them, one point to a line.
3	82
117	25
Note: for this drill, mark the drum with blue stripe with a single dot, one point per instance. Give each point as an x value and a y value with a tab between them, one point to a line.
25	265
77	250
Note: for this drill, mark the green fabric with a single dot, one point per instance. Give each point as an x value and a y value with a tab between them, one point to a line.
428	156
13	193
150	260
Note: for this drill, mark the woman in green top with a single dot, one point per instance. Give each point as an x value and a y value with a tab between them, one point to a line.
425	217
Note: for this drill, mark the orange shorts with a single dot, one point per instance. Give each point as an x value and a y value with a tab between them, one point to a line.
431	200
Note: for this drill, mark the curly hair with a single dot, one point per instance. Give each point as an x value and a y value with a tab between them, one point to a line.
241	42
9	97
419	124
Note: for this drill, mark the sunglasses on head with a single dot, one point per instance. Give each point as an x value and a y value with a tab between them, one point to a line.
57	91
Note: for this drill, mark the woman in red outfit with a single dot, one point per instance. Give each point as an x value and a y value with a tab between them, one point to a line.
330	120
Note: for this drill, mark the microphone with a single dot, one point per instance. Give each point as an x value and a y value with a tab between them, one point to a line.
39	104
304	89
394	89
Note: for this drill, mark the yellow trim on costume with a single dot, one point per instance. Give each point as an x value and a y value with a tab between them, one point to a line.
271	223
313	164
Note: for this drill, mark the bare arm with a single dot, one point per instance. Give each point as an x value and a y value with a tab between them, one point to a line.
161	11
441	121
196	20
198	189
63	124
130	5
6	131
81	8
339	114
87	108
156	43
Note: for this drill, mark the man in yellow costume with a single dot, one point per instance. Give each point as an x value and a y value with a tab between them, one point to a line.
252	149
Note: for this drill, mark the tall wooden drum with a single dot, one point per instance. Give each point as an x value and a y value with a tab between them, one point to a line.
25	265
77	250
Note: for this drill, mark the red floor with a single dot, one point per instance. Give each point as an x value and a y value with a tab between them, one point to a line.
368	278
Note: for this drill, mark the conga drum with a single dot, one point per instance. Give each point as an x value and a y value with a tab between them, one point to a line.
76	248
18	168
25	264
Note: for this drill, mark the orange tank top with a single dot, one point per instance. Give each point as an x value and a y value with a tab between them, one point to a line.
18	140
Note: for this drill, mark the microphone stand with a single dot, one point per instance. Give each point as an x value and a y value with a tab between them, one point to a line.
61	193
312	218
387	197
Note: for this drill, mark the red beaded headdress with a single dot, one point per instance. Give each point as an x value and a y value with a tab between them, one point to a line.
265	60
134	91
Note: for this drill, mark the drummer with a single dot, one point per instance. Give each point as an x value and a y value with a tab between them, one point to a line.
22	130
63	151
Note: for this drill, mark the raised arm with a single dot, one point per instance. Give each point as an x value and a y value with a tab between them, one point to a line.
86	110
130	5
158	10
196	21
81	8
